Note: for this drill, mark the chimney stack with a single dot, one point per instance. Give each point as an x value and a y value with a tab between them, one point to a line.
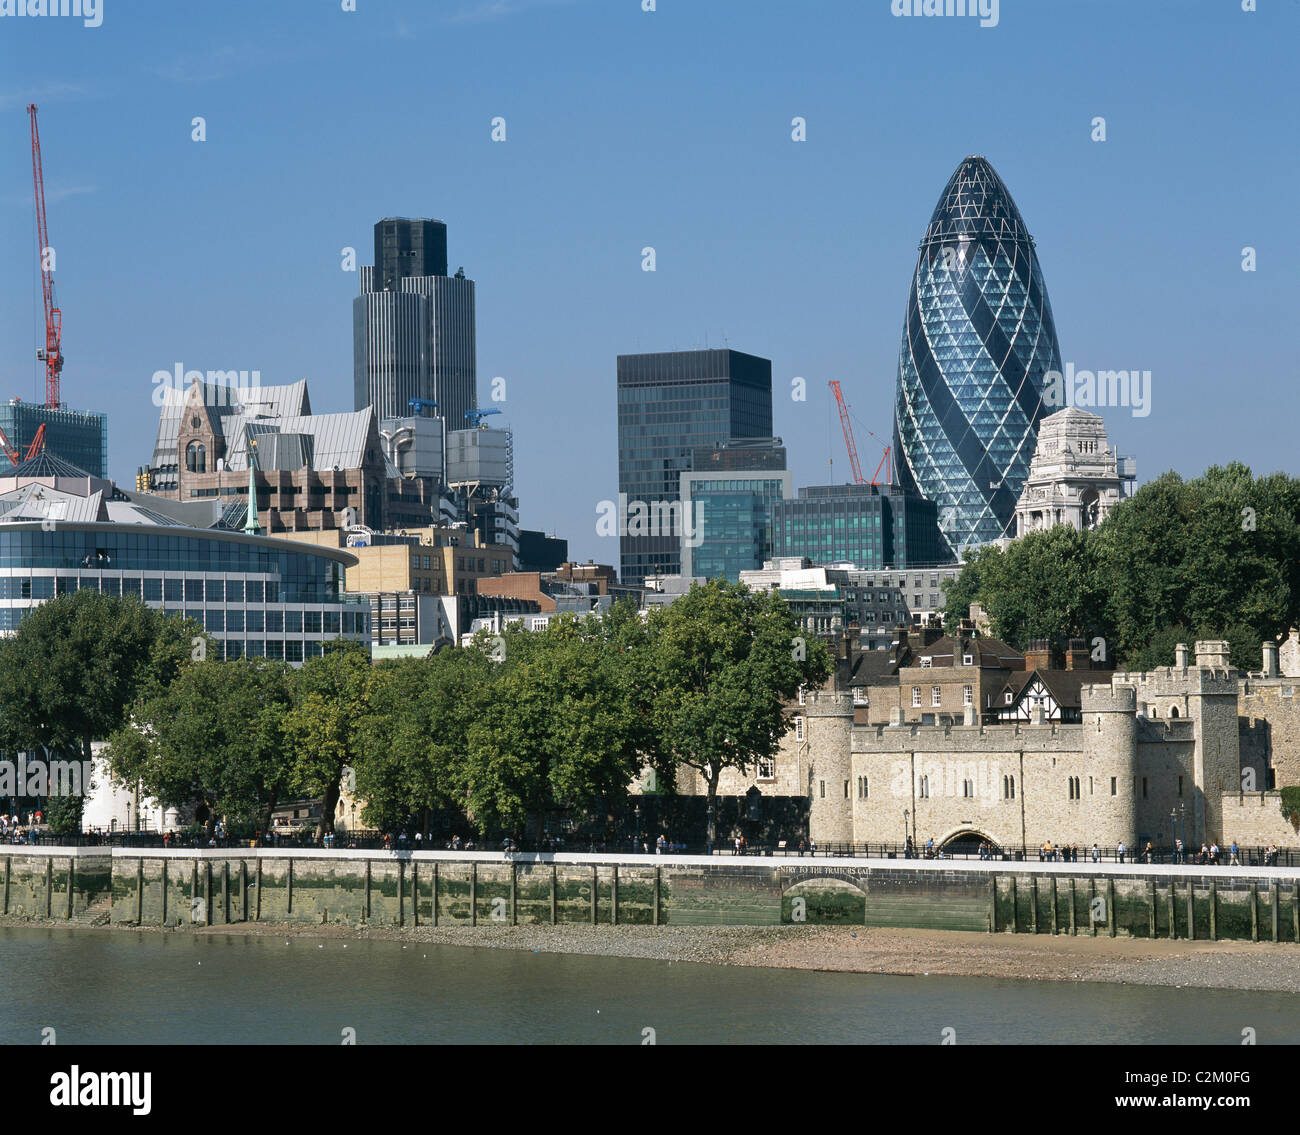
1180	656
1077	655
1039	655
1270	659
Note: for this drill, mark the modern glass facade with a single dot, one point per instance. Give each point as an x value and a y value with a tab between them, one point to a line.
978	339
732	514
76	436
254	596
870	526
669	404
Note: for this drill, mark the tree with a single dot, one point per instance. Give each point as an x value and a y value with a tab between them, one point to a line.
1042	586
725	663
413	738
214	737
77	664
324	727
558	727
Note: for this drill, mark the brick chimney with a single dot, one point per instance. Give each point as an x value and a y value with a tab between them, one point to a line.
1077	655
1038	656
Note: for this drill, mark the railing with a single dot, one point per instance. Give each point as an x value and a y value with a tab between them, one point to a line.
375	841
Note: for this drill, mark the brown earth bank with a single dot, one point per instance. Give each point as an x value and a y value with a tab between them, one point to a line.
1135	961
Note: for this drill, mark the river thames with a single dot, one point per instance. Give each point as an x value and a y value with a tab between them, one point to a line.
147	988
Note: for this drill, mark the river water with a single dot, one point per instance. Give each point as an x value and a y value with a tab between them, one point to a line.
137	988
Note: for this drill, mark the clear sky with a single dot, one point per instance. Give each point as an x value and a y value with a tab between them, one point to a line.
671	128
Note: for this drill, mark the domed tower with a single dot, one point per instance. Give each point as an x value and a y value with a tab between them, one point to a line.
1110	751
978	338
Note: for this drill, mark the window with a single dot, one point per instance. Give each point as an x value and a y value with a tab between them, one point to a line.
846	790
968	789
968	660
926	662
1180	786
822	788
1144	788
801	695
1112	786
916	695
766	768
1008	788
1008	697
936	695
860	696
1072	784
923	787
967	695
863	791
798	728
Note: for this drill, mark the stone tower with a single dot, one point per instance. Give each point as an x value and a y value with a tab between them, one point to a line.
828	714
1212	705
1110	739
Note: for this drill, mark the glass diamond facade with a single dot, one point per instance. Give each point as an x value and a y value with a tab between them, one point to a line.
977	341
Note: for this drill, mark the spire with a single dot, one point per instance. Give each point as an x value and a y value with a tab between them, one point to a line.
251	526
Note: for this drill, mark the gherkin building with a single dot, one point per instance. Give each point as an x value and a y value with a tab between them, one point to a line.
977	341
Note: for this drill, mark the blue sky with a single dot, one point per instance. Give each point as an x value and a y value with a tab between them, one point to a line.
669	128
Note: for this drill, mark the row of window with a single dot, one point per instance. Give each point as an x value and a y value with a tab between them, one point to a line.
936	696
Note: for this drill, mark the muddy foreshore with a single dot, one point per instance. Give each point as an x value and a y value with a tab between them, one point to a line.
1134	961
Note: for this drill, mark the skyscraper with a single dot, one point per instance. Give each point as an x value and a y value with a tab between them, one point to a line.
669	404
413	326
978	338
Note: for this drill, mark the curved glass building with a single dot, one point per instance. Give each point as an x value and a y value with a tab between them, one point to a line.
977	340
62	530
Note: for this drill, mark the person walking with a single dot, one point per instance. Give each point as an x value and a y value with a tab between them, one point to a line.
1235	851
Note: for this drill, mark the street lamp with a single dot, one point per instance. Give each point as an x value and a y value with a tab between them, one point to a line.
906	813
708	819
637	811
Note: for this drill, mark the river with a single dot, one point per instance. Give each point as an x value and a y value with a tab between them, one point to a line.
118	987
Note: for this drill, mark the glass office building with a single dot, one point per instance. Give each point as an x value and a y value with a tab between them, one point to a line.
978	339
80	437
669	404
869	526
732	518
254	596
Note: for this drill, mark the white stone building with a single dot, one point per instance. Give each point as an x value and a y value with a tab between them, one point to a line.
1075	476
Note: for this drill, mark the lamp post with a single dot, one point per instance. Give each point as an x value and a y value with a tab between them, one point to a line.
637	810
907	812
708	817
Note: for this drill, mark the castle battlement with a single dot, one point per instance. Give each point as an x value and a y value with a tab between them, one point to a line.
1108	699
1049	737
1174	681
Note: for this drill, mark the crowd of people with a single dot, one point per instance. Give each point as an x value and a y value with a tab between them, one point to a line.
14	830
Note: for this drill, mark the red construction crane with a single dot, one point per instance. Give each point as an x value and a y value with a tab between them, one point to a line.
851	446
52	354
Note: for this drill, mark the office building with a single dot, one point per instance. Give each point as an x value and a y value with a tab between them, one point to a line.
978	339
669	405
64	530
413	326
729	496
868	526
76	436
